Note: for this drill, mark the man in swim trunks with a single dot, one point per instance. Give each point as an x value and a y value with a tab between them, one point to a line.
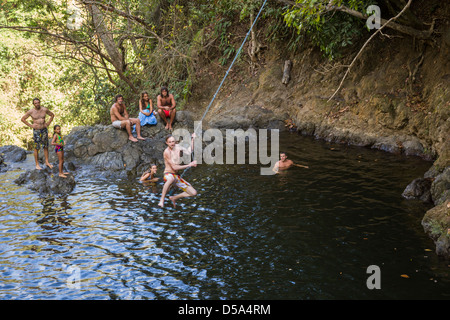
40	132
285	163
120	119
172	165
166	107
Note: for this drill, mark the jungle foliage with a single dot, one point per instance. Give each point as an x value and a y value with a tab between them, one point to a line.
76	55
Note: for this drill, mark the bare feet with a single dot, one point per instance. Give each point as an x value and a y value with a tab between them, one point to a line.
49	165
62	175
167	126
132	139
161	204
141	138
38	167
173	201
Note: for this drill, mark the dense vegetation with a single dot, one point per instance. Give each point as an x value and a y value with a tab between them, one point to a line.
75	55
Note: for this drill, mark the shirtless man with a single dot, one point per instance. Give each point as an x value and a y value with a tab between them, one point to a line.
171	162
166	107
120	119
40	132
285	163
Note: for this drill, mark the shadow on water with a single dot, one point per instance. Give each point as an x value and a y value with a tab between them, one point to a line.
301	234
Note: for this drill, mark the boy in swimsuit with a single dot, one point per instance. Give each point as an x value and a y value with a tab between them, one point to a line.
166	107
40	132
172	166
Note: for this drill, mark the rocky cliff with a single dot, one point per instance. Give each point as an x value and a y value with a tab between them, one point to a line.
396	98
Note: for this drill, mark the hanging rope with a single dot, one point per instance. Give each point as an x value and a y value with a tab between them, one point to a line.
226	74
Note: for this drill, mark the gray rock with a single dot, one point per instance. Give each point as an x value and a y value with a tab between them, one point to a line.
436	224
2	164
440	188
46	181
109	161
418	189
413	147
246	117
13	153
388	144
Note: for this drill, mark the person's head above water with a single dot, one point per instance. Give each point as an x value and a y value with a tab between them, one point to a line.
283	156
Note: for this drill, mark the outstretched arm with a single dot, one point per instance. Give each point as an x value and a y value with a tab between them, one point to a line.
301	166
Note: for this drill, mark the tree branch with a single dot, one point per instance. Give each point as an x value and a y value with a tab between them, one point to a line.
365	45
420	34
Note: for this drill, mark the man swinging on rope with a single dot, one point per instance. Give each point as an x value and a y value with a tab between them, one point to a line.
171	162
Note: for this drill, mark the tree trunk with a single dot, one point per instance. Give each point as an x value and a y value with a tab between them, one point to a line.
117	58
287	72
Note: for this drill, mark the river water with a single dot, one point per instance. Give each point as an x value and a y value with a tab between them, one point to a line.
303	234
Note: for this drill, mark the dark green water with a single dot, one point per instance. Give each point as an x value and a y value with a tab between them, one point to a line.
303	234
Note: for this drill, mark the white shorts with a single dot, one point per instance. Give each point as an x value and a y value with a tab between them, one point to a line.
117	124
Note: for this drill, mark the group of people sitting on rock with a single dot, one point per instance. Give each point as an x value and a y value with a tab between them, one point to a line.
147	115
119	118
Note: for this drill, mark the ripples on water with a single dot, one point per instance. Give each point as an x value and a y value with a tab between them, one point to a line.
303	234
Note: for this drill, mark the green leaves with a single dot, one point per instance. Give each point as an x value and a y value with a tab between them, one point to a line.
330	30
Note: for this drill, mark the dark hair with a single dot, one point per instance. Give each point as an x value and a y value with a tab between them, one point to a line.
163	88
150	169
169	136
36	99
56	126
282	152
142	97
117	97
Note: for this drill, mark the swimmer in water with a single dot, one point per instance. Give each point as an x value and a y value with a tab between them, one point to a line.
285	163
149	175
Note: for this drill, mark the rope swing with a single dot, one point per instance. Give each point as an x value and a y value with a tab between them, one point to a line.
226	74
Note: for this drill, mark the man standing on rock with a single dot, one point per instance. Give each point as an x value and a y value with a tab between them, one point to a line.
166	107
40	132
120	119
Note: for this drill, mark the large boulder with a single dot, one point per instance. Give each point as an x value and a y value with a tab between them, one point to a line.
46	181
13	154
108	149
436	224
418	189
251	116
440	188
